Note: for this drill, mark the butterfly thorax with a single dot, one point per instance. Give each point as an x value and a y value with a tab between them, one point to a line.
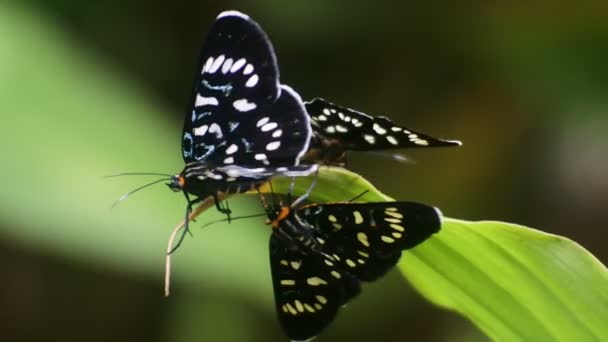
288	226
326	150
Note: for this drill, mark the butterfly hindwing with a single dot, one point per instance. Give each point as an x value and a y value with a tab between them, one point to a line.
368	238
308	288
361	132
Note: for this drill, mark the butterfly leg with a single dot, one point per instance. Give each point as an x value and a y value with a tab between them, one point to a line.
308	191
220	207
186	229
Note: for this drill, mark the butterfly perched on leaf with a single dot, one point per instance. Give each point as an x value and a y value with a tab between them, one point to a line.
337	129
320	253
242	126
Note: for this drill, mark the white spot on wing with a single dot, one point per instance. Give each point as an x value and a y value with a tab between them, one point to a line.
341	129
215	128
262	121
229	160
238	65
369	138
391	139
330	129
252	81
379	129
273	145
326	111
208	64
260	156
269	126
277	133
231	149
243	105
321	118
216	64
200	131
226	66
248	69
204	101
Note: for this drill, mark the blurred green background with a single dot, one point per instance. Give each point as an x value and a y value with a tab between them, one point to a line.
89	89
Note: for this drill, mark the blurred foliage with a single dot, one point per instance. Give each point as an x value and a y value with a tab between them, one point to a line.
94	88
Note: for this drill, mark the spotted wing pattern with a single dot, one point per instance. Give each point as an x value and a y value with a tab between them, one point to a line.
366	239
240	114
357	131
354	242
308	288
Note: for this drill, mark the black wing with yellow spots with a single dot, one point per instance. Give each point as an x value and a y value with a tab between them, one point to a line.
308	288
352	242
367	238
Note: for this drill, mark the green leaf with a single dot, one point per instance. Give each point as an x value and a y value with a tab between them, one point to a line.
513	282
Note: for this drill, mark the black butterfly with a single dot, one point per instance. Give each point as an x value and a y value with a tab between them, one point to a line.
242	125
319	254
337	130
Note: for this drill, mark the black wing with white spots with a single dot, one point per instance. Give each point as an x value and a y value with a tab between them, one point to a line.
353	130
366	239
239	112
308	288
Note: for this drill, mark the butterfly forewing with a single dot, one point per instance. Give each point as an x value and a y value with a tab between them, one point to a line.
367	238
239	112
358	131
308	288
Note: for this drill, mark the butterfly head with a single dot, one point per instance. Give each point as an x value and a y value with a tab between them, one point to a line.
177	184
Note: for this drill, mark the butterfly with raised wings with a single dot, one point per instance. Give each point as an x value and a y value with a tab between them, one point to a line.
242	125
320	253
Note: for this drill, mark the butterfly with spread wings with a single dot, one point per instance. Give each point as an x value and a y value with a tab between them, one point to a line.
319	254
242	126
337	129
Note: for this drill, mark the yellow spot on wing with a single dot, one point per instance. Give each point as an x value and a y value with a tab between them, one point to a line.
366	255
299	306
350	263
387	239
391	209
284	262
332	218
285	308
309	308
361	261
288	282
358	217
363	239
397	235
397	227
336	274
394	214
318	306
392	220
296	264
321	299
291	309
316	281
337	226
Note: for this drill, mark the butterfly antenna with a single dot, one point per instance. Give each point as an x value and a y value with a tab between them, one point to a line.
358	196
125	196
307	193
138	174
231	219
